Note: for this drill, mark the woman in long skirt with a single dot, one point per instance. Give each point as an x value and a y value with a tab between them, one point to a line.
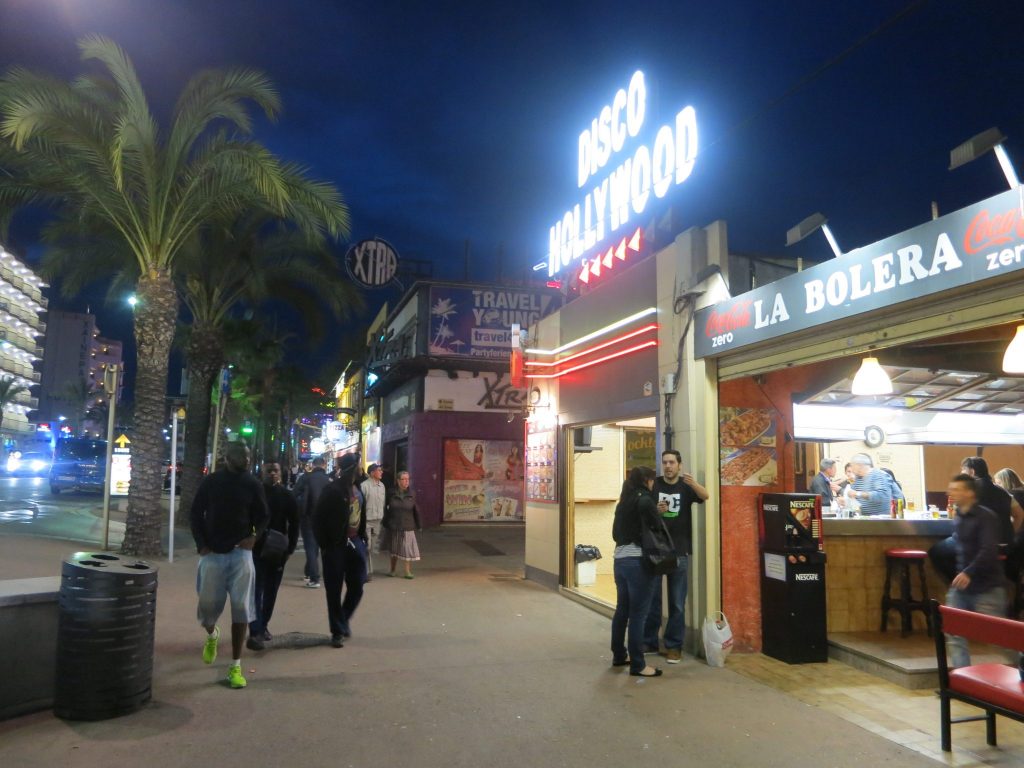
402	520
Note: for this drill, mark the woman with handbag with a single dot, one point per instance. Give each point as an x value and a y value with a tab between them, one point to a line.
634	580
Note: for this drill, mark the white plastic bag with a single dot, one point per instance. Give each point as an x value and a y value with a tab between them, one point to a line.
717	639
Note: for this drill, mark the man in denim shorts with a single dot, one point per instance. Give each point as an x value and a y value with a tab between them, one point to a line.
228	512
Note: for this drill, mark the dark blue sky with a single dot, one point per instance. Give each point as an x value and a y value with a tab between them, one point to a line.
443	122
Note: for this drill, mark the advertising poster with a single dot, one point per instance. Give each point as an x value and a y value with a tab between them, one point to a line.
541	463
483	480
640	449
121	466
473	322
748	453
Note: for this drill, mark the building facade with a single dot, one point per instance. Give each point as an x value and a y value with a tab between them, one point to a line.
439	401
22	331
75	353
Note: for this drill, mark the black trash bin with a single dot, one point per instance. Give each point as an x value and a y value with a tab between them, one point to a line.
107	616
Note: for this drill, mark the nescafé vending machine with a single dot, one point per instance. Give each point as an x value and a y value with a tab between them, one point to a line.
793	624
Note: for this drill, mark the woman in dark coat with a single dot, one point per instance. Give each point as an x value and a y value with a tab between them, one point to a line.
402	520
634	581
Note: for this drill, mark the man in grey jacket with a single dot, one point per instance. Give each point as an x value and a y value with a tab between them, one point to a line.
373	494
307	491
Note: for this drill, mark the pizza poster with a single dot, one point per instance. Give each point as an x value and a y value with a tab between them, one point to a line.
747	445
483	480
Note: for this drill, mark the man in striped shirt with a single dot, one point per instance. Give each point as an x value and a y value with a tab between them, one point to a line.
872	489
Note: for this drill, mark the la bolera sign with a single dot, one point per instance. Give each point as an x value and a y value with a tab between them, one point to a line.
623	162
969	246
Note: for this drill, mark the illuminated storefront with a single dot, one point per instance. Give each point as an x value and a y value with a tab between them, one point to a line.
937	307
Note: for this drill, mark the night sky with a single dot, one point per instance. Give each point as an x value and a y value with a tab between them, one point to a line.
448	122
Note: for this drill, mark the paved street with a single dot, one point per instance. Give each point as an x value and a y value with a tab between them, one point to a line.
28	508
466	665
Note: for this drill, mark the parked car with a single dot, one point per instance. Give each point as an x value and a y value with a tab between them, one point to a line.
177	476
29	464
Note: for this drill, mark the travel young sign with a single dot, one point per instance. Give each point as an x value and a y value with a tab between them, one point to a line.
980	242
647	162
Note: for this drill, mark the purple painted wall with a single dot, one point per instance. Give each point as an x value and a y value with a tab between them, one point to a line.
426	434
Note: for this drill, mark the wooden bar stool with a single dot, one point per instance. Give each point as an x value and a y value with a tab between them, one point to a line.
900	560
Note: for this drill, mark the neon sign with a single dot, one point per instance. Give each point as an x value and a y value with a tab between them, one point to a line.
652	168
580	364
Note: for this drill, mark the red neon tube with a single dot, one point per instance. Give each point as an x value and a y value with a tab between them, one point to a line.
605	345
588	364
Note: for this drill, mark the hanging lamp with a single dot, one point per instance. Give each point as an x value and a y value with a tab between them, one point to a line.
872	379
1013	358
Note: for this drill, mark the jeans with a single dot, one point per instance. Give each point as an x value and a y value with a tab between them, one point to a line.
312	569
221	575
344	564
633	585
268	581
991	603
675	627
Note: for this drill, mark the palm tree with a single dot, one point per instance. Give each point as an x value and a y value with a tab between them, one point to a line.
10	388
76	394
247	263
92	148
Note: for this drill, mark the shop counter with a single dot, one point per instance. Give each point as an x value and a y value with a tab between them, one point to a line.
886	526
855	569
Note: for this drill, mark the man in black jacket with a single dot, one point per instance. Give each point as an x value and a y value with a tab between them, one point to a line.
284	518
228	513
1008	516
340	528
307	492
824	483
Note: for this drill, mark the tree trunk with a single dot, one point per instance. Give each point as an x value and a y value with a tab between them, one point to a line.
155	315
205	356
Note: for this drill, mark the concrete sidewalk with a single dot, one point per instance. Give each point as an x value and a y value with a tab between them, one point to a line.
467	665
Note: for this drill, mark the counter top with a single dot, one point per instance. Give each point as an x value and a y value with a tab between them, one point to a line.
886	526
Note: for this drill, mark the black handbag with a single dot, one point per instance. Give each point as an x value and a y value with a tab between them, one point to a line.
656	543
274	546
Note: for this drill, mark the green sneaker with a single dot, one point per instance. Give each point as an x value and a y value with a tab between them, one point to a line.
235	679
210	646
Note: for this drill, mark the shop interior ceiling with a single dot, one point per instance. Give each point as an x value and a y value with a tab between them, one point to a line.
956	373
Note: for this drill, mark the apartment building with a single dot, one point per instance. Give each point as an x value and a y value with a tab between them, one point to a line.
76	358
22	332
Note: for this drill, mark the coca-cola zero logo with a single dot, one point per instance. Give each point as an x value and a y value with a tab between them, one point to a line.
992	230
724	322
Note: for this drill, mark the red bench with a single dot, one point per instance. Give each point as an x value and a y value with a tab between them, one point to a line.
995	688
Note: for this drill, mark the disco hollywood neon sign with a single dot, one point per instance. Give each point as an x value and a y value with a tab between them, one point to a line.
644	169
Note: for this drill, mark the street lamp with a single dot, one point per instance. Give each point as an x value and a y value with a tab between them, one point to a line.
811	224
132	301
978	145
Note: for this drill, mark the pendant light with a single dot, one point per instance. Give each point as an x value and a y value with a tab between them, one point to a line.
871	379
1013	358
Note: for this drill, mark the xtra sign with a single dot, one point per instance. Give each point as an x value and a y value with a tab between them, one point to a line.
977	243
